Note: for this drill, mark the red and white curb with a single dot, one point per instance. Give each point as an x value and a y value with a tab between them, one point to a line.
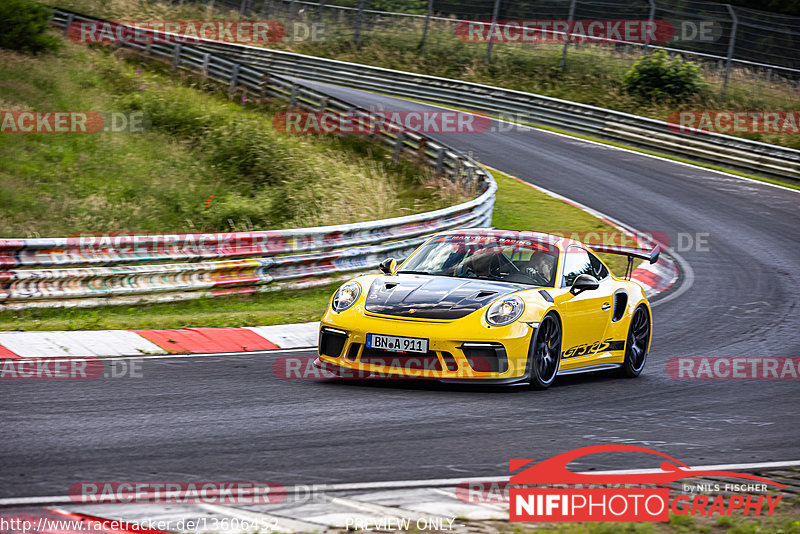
146	342
654	279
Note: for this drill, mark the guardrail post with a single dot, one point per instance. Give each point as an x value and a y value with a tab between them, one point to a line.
731	44
234	79
423	145
204	66
571	15
70	20
495	13
176	57
439	167
263	88
291	19
323	103
470	175
650	18
319	10
425	27
244	7
293	97
398	145
359	16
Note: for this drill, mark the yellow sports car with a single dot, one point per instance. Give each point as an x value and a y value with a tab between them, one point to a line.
494	306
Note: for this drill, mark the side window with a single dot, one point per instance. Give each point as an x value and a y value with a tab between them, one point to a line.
576	262
598	269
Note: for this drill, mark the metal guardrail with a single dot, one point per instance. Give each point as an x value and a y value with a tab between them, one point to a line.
518	106
93	270
762	43
743	37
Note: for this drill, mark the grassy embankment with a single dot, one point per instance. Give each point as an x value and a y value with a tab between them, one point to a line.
199	145
158	181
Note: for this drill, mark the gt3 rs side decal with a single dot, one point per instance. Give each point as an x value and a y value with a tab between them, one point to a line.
597	346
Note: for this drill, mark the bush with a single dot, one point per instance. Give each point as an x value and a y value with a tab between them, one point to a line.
656	77
23	26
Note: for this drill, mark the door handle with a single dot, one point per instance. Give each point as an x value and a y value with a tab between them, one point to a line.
606	306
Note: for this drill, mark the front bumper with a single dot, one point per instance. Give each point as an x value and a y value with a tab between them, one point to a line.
458	351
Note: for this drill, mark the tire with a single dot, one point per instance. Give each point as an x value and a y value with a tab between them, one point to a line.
637	344
545	353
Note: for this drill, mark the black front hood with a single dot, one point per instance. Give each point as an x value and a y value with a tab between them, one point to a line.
433	297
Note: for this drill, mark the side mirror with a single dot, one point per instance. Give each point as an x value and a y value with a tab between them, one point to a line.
584	282
388	266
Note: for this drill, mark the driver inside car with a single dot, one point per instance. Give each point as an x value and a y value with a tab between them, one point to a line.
540	268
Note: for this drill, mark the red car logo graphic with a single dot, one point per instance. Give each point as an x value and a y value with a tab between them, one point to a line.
554	470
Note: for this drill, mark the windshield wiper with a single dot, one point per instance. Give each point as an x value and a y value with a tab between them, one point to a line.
423	272
489	277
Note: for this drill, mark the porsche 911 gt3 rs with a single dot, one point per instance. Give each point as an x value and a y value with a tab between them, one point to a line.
494	306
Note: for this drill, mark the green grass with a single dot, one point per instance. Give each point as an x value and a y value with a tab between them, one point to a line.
518	207
199	145
521	207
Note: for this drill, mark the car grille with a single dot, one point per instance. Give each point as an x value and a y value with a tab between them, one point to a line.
331	342
486	357
401	360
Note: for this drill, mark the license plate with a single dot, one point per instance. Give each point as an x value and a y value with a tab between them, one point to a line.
397	344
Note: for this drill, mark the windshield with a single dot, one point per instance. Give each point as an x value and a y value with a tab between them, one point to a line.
520	261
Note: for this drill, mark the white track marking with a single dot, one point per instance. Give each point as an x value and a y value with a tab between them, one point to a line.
283	524
78	343
443	482
289	335
378	509
165	356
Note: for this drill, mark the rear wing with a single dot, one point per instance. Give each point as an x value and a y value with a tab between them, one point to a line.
630	252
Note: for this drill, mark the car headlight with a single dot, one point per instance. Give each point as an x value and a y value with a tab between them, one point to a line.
346	296
505	311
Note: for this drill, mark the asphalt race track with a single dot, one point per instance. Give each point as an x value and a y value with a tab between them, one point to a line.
230	418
